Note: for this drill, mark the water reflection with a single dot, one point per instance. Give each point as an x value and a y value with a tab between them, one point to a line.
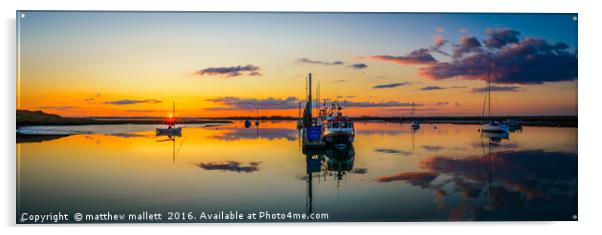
390	173
171	137
329	162
234	134
230	166
495	138
389	151
499	185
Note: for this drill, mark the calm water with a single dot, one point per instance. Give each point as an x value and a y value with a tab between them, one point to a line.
445	173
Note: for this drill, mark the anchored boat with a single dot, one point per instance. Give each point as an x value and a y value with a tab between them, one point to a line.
171	121
492	125
415	125
338	129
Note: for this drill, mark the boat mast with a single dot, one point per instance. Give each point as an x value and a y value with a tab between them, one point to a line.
489	89
173	112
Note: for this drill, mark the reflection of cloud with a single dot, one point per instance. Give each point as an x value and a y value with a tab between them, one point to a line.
507	145
233	71
422	179
543	181
230	166
432	148
262	133
367	132
128	101
360	171
393	151
127	135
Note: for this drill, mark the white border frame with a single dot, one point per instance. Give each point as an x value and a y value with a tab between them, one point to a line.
590	79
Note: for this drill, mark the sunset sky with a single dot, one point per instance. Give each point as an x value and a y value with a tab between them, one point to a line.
227	64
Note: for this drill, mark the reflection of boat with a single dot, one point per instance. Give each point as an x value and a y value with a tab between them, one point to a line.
495	137
172	138
340	161
336	160
338	129
491	126
171	129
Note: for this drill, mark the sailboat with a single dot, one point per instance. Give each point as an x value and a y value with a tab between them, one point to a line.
492	125
415	125
171	121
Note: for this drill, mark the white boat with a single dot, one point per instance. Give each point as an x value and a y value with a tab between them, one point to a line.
495	126
415	125
171	129
491	126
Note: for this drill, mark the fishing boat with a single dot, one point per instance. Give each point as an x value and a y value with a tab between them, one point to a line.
338	129
492	125
171	121
247	123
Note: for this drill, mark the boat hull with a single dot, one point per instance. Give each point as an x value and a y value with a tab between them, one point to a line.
169	131
338	138
489	127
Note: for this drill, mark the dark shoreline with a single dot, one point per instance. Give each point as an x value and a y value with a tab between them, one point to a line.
87	121
37	118
551	121
548	121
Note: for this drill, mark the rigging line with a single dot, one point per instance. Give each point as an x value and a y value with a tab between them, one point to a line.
181	143
483	111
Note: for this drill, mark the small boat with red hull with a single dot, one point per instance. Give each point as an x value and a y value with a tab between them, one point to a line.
171	122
